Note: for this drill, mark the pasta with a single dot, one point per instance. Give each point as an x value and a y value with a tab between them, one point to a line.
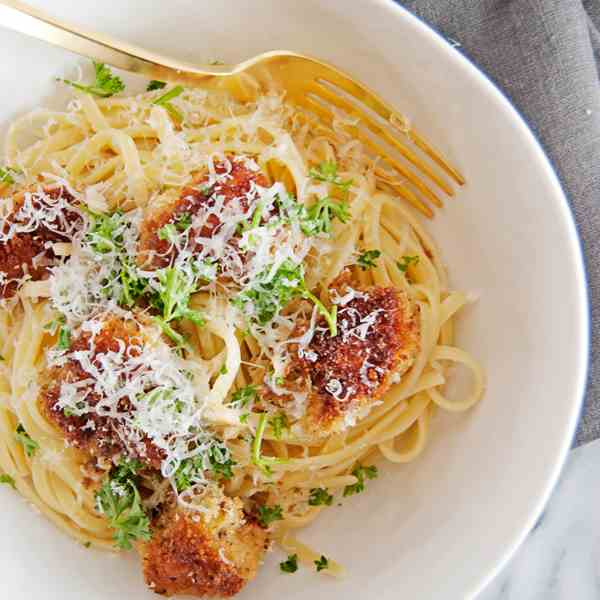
209	329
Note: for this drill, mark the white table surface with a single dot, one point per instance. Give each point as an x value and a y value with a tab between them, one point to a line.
560	560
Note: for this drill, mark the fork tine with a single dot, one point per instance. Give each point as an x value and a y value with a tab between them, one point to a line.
370	99
323	92
327	115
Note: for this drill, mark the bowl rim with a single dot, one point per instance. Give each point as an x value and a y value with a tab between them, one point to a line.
482	580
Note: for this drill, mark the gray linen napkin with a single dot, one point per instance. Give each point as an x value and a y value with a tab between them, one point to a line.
545	55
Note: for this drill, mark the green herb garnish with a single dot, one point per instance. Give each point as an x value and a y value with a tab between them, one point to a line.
320	497
64	338
327	172
321	563
25	440
406	262
8	480
168	232
165	102
278	423
105	85
269	514
172	300
268	295
367	259
7	175
264	463
244	396
119	501
360	473
290	565
155	84
191	469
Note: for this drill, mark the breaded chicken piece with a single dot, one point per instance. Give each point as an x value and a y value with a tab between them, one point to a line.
29	251
212	552
345	375
235	184
100	436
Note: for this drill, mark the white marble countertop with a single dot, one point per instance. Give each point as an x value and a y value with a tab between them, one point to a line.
560	560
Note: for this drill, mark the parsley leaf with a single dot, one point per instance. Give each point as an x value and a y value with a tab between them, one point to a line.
8	480
165	102
263	462
24	438
269	293
64	338
244	396
221	462
105	85
119	501
320	497
321	213
244	418
367	259
183	221
406	262
7	175
290	565
172	300
315	219
269	514
168	232
327	172
360	473
321	563
217	459
278	423
155	84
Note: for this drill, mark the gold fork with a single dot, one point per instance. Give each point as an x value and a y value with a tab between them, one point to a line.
409	165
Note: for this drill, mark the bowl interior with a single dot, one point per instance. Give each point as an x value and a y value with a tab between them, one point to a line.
441	525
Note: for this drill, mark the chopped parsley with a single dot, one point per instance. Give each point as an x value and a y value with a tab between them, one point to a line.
165	102
321	213
87	544
315	219
25	440
155	84
270	293
367	259
244	418
183	221
190	471
64	338
244	396
290	565
119	501
168	232
105	85
406	262
264	463
269	514
278	423
223	370
172	300
360	472
320	497
8	480
321	563
327	172
7	175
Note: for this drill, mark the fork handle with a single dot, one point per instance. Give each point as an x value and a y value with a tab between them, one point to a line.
23	18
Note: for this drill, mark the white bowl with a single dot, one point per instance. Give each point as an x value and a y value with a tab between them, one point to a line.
442	526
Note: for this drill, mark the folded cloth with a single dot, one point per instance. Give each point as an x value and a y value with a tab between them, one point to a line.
545	55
